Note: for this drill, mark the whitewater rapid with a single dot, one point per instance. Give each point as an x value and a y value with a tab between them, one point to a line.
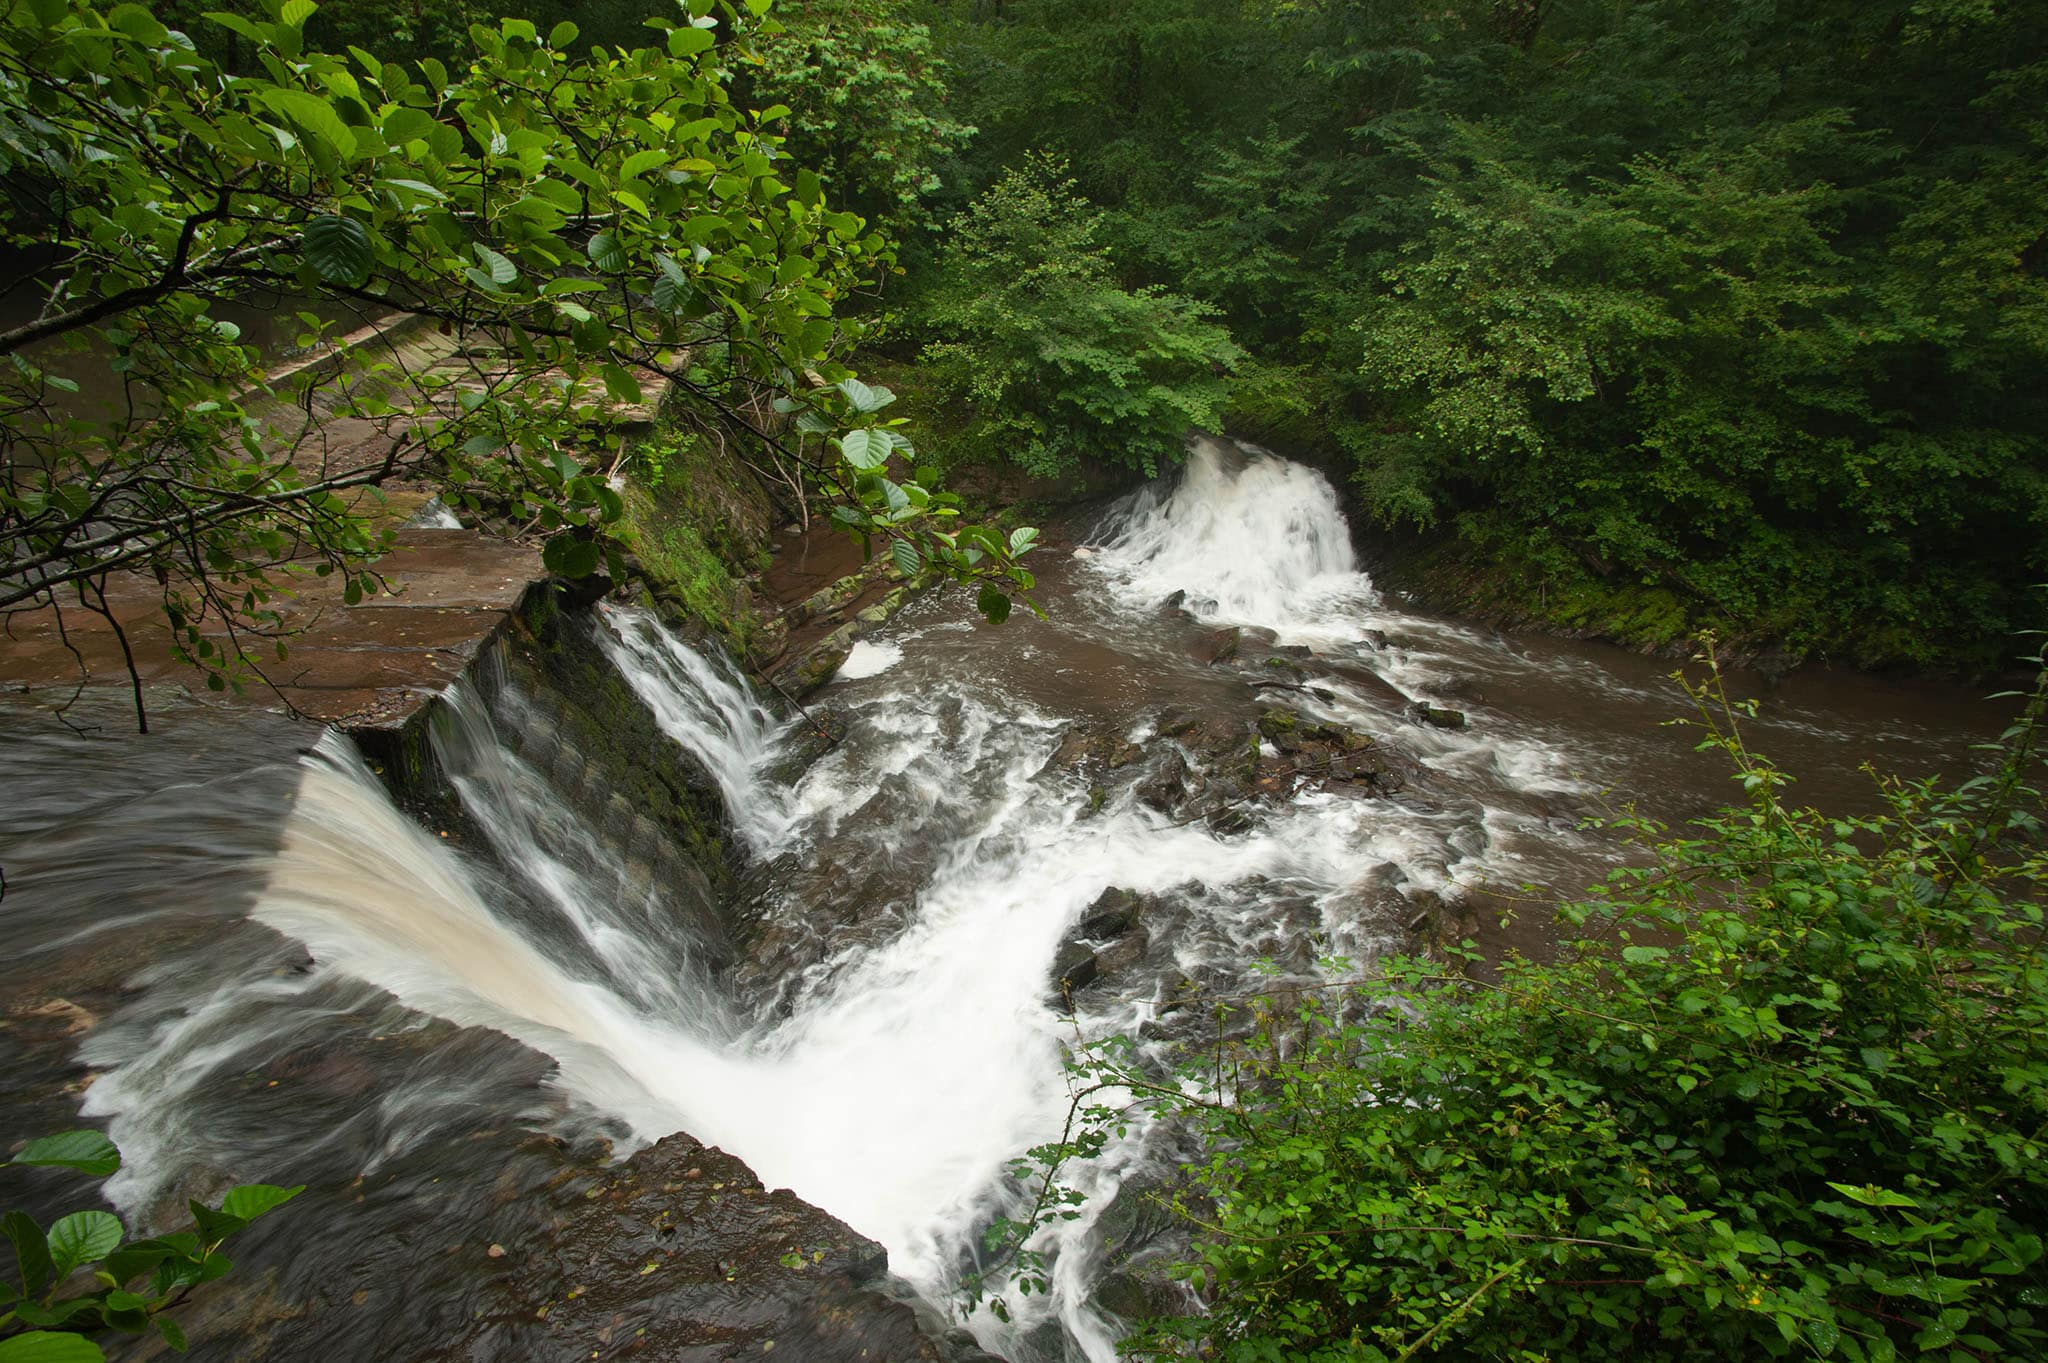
920	1049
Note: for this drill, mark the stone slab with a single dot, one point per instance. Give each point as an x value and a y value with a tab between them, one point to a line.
373	664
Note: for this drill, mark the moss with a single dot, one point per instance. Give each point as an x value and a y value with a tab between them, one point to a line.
695	520
1482	571
604	722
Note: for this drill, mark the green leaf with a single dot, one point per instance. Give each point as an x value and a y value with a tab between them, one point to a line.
405	123
236	24
89	1152
502	271
82	1238
251	1200
31	1252
44	1346
562	34
866	450
620	385
607	254
315	116
863	398
682	42
993	602
339	249
214	1225
907	558
640	162
296	12
1870	1195
567	556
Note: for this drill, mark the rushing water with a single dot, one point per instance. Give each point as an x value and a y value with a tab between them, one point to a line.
890	1039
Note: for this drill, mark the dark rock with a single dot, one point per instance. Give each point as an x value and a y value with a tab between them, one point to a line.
1123	953
1112	914
1216	646
1166	786
574	593
1259	634
1175	606
1073	969
1283	668
680	1253
1436	715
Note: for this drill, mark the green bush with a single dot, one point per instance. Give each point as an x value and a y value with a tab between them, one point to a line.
1783	1093
1058	364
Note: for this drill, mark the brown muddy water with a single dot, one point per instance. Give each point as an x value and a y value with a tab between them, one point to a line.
228	947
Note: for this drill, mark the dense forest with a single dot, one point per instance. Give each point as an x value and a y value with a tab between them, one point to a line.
1743	305
1659	315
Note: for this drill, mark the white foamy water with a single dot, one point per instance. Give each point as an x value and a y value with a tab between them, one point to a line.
922	1049
869	659
1250	539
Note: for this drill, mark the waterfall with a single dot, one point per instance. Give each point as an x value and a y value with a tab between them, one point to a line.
888	1039
701	701
1249	538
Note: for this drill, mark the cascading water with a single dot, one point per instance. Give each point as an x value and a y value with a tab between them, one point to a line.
889	1038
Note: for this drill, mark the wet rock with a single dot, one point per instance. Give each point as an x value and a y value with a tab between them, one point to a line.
1460	688
1123	953
1360	678
1216	646
1436	920
1438	716
1284	669
826	600
1073	969
681	1254
1259	634
820	733
768	642
1166	786
820	665
58	1018
1175	607
1112	913
1281	727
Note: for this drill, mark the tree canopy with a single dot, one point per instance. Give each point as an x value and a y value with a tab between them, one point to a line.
1740	302
583	226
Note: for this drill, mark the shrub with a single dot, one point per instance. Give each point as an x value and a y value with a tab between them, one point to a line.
1783	1093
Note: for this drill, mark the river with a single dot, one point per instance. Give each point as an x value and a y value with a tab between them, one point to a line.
343	997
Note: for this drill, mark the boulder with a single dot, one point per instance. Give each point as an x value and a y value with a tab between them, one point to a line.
1216	646
1166	785
819	666
1073	969
768	642
1123	953
1112	913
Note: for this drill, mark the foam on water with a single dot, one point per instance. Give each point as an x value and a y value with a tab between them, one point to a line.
914	1063
869	659
1251	540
